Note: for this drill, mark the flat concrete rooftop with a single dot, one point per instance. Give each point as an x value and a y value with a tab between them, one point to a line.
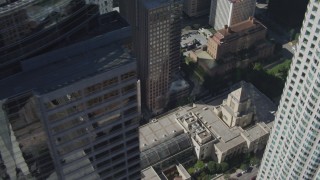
158	131
228	137
149	174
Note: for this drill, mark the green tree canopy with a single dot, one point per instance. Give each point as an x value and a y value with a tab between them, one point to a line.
199	165
212	167
224	166
191	170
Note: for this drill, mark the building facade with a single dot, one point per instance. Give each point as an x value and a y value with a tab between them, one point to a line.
200	130
235	38
195	8
230	12
293	148
29	28
157	47
75	115
128	9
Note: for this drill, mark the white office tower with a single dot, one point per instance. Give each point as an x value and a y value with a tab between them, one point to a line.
230	12
293	150
105	6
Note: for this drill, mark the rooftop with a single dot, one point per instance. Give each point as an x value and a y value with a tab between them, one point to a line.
256	131
249	25
149	174
240	94
188	116
71	64
215	124
153	4
232	143
8	7
203	55
158	130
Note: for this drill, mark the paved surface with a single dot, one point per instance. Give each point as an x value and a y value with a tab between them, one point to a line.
245	176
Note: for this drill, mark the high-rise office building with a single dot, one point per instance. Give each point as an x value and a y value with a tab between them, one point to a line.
294	145
230	12
32	27
73	113
128	9
157	47
195	8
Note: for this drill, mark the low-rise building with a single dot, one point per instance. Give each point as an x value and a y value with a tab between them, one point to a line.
236	38
207	130
236	46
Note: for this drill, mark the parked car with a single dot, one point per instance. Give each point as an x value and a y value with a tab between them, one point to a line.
249	169
254	178
239	174
244	172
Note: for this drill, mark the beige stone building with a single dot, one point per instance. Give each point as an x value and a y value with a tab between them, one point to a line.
232	124
236	109
195	8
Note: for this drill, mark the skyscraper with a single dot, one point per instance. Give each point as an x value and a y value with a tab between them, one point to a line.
194	8
230	12
293	150
32	27
73	115
128	9
157	47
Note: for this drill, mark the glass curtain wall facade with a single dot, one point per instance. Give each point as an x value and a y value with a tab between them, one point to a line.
30	27
76	117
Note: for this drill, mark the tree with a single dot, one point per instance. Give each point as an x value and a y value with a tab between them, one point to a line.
191	171
292	34
244	166
203	176
199	165
254	160
196	26
224	166
187	28
257	67
212	167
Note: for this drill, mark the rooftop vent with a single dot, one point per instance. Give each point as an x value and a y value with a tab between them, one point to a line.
154	140
144	144
205	108
174	131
